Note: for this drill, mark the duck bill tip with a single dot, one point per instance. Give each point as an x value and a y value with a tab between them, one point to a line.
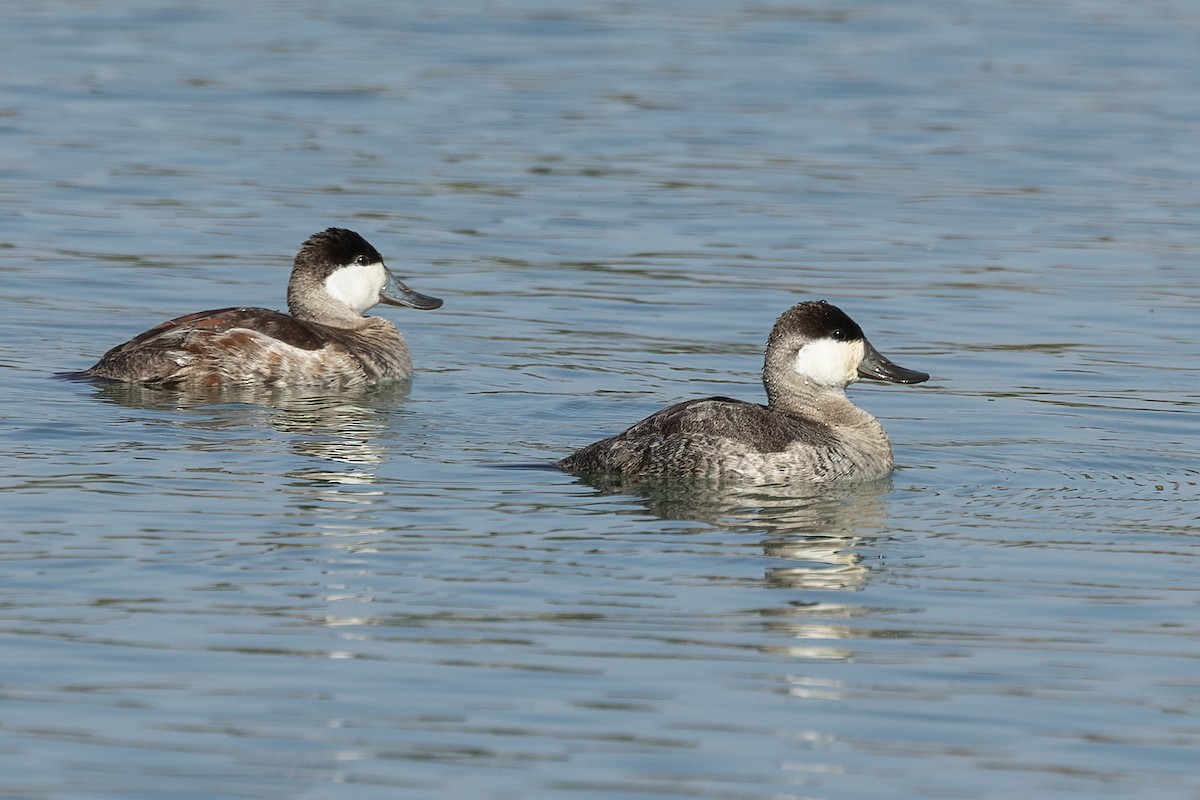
395	293
878	367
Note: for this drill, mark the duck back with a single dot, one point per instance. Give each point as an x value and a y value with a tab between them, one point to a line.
719	437
257	346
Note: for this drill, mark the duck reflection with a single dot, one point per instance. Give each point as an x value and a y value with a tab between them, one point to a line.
819	532
817	541
329	506
343	429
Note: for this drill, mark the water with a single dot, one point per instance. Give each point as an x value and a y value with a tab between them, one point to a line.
376	595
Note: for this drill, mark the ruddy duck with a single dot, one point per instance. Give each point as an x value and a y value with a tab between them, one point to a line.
324	340
808	431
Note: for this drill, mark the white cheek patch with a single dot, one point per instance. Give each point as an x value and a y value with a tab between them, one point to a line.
357	286
829	362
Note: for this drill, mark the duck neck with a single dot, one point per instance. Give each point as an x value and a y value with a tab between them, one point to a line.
796	395
326	311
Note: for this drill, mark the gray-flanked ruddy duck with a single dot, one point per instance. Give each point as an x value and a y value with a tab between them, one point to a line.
324	340
808	431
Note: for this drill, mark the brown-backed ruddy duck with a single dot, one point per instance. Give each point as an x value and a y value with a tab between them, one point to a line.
323	340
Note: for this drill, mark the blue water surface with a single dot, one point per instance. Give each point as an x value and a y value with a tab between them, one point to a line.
385	594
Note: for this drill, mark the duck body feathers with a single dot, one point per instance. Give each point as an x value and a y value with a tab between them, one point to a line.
325	339
726	439
808	432
259	346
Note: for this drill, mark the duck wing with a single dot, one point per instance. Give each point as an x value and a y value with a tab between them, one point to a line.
159	354
272	324
693	436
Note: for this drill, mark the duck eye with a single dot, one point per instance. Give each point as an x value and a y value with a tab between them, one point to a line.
838	335
361	261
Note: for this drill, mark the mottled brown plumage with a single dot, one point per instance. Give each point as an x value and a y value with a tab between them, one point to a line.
808	431
324	341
